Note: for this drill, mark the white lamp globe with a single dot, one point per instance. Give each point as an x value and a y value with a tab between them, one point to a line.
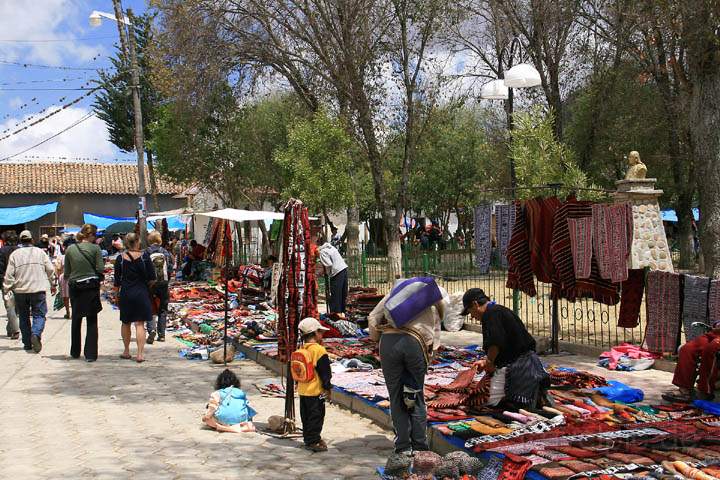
95	19
522	75
494	90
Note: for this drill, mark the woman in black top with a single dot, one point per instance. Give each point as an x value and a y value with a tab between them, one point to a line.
133	272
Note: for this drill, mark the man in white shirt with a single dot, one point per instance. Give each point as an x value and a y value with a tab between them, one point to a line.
336	268
28	272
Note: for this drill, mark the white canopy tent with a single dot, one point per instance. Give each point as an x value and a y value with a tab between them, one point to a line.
235	215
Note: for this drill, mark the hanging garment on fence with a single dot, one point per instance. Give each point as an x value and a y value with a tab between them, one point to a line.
612	239
714	303
565	283
663	305
520	274
540	213
504	221
695	304
581	245
483	238
631	299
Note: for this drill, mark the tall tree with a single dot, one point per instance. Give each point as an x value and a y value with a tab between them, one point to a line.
114	104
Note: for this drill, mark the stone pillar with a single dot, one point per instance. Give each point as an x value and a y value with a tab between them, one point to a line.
649	245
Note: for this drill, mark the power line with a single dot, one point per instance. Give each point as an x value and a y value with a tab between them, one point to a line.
49	80
86	117
42	89
35	65
56	40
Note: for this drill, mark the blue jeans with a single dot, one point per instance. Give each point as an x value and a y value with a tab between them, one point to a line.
27	305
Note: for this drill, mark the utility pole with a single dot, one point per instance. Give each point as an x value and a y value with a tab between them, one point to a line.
129	51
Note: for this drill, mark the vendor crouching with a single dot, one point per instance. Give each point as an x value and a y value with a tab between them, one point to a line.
518	376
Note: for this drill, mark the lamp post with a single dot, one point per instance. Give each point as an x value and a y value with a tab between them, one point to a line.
522	75
129	50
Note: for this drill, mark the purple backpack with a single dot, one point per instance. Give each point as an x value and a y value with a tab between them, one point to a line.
408	298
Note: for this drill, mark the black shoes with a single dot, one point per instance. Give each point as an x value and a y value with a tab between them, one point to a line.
161	338
151	338
36	343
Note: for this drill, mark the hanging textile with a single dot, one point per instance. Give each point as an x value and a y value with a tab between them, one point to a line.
540	213
612	239
483	240
297	296
695	304
631	299
581	245
663	306
520	273
504	221
565	283
714	302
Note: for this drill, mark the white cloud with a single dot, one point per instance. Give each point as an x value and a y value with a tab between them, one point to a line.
14	103
44	20
87	140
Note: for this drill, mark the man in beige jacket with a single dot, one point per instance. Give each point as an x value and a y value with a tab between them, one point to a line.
28	272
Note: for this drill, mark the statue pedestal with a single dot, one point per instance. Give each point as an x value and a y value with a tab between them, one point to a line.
649	245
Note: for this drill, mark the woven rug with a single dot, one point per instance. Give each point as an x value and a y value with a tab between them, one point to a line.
520	274
504	221
631	299
581	245
612	237
714	302
663	306
695	304
539	212
483	238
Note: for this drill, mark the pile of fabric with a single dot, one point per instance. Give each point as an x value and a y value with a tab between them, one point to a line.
627	358
361	301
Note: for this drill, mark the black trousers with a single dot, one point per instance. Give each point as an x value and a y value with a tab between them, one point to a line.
312	414
338	292
84	305
162	292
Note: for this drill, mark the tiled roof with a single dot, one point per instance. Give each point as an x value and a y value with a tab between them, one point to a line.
66	177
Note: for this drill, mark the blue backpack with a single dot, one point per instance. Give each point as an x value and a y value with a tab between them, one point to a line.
234	407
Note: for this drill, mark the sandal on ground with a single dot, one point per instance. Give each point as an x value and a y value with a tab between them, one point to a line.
15	336
317	447
125	357
139	360
676	396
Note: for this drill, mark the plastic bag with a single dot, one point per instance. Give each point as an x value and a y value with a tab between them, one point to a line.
619	392
453	321
713	408
58	304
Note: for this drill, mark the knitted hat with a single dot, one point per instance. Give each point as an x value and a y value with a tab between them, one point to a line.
426	462
398	465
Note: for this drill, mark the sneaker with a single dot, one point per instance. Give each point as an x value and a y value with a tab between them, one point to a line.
27	347
161	338
317	447
151	338
36	343
90	360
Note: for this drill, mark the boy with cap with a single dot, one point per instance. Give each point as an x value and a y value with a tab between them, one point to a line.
510	350
28	271
313	393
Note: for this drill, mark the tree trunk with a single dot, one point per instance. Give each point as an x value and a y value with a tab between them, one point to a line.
153	180
685	235
705	121
352	231
394	254
265	238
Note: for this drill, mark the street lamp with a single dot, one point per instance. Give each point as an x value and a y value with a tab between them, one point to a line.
129	50
522	75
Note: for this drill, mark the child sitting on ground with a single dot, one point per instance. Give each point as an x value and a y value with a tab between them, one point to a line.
311	369
228	409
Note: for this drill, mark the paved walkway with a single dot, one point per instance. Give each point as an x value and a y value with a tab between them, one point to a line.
116	419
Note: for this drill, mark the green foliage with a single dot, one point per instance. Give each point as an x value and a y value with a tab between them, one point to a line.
319	162
114	104
540	159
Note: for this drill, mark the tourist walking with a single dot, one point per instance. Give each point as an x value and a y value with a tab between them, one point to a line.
336	268
27	275
160	288
62	280
83	271
9	239
133	271
407	324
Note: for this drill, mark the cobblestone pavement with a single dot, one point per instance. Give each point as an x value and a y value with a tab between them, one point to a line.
116	419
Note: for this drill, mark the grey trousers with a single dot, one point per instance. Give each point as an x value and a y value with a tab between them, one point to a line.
13	325
402	360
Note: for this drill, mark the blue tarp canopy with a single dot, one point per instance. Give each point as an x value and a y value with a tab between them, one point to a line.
669	215
174	223
103	221
18	215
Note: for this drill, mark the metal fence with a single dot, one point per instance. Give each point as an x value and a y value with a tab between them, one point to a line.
584	322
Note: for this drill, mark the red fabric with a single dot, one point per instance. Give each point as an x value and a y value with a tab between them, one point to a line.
631	300
612	237
332	332
520	273
703	349
540	212
514	467
198	252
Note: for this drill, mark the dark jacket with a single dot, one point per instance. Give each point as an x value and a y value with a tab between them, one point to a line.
4	257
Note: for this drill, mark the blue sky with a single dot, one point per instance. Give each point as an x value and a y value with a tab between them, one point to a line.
54	33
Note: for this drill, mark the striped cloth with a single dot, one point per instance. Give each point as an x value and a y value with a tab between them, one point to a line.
565	283
663	303
714	303
540	213
695	304
581	245
504	221
483	240
520	274
631	299
612	239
